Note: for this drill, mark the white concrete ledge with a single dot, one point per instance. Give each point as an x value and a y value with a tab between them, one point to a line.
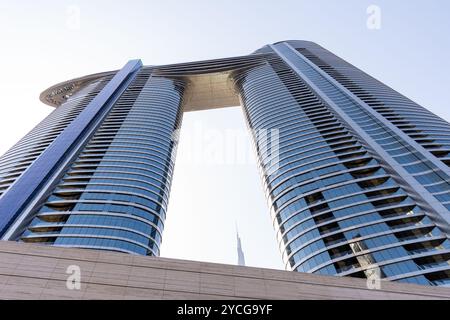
39	272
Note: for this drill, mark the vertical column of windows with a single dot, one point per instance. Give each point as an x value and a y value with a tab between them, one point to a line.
115	195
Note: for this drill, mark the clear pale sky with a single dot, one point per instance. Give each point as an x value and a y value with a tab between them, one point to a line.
41	45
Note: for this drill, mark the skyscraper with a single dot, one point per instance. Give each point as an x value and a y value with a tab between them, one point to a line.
357	175
240	252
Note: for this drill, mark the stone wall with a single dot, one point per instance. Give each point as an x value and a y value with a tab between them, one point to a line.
39	272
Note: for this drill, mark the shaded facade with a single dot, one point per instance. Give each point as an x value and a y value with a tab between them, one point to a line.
356	174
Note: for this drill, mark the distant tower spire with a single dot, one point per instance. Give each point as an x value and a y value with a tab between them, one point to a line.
241	258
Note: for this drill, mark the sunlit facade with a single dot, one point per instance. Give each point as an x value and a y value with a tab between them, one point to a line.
357	175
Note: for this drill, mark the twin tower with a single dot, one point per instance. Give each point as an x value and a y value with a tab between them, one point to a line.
357	176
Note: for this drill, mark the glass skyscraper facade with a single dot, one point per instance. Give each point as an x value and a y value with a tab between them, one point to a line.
357	175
